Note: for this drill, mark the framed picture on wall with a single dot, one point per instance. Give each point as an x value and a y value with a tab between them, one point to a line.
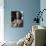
17	18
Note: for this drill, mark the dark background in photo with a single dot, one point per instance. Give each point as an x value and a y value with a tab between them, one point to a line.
16	19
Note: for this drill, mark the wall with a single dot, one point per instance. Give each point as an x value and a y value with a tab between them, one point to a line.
42	6
29	7
1	21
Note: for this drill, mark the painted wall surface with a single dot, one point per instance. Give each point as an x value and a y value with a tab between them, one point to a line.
1	21
43	6
29	7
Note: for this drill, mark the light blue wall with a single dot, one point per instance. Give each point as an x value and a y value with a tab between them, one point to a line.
43	6
29	7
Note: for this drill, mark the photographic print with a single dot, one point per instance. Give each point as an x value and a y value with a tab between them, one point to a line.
17	18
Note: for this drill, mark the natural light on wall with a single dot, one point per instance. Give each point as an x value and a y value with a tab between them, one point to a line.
1	20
